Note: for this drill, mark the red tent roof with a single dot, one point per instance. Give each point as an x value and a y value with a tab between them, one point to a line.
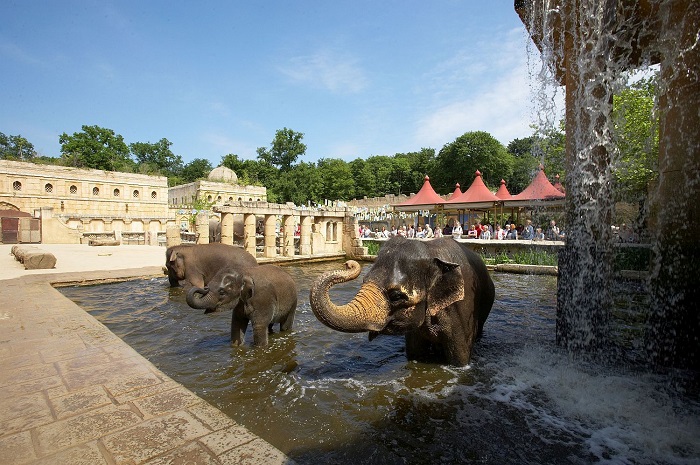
503	193
539	189
477	192
426	196
457	192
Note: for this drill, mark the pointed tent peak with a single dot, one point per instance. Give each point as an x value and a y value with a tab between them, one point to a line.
540	167
539	189
477	192
457	192
426	196
458	186
502	192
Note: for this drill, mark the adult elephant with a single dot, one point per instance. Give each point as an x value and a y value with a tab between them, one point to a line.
437	293
263	295
196	264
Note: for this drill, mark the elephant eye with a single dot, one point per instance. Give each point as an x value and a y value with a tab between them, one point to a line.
397	296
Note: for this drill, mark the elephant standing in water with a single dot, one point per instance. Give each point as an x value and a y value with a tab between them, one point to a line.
263	295
195	265
437	293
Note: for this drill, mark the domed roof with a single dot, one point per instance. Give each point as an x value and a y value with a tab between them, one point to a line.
223	174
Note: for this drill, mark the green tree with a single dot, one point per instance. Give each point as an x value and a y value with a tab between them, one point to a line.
157	158
301	184
338	183
525	163
199	168
96	147
550	149
457	161
636	133
285	149
420	164
16	148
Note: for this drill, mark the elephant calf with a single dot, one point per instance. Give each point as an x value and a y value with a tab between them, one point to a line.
437	293
263	295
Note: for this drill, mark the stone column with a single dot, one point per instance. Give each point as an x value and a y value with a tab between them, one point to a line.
270	249
227	228
201	226
172	236
305	238
249	233
288	236
674	333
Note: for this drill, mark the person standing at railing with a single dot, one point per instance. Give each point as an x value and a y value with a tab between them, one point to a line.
528	231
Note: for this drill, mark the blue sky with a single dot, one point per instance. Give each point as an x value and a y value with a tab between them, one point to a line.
358	78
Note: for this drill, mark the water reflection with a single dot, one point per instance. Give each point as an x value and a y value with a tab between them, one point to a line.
327	397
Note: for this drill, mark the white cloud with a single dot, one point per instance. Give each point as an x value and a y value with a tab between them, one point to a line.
502	105
335	73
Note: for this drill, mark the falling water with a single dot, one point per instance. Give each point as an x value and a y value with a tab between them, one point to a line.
591	47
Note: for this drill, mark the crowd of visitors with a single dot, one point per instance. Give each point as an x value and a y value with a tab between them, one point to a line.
508	231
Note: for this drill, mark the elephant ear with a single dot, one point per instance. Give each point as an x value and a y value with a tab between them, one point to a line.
247	288
173	256
447	286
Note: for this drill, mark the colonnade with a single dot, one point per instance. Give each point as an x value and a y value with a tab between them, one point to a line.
319	231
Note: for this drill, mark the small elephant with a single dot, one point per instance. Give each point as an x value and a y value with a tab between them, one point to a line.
263	295
195	265
437	293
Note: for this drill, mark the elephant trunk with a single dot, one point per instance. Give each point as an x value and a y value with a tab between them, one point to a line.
368	310
201	298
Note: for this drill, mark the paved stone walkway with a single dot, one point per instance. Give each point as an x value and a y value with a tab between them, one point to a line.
74	393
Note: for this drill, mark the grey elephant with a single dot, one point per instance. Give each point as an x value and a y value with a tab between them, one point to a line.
264	295
437	293
195	265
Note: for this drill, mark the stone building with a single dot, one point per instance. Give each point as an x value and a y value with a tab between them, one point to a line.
220	187
73	202
73	205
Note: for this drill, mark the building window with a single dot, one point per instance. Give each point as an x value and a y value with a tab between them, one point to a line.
154	195
73	189
240	199
95	191
135	194
208	198
218	199
230	199
17	186
48	188
117	193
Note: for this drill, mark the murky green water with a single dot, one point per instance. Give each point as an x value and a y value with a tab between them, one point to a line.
326	397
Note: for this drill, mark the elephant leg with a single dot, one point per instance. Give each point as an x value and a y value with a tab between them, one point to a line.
260	334
286	323
459	341
238	328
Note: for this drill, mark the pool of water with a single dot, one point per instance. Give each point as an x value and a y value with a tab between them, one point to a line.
322	396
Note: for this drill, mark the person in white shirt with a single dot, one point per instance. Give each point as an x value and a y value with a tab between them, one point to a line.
457	231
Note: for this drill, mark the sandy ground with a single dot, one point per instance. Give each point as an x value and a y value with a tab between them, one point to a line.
82	257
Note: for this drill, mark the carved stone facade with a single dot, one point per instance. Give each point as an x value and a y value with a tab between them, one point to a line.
86	200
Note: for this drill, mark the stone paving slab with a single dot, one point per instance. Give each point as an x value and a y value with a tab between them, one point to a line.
74	393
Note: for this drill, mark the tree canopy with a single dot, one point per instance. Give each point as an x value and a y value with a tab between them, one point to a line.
16	148
636	133
97	148
286	148
457	161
